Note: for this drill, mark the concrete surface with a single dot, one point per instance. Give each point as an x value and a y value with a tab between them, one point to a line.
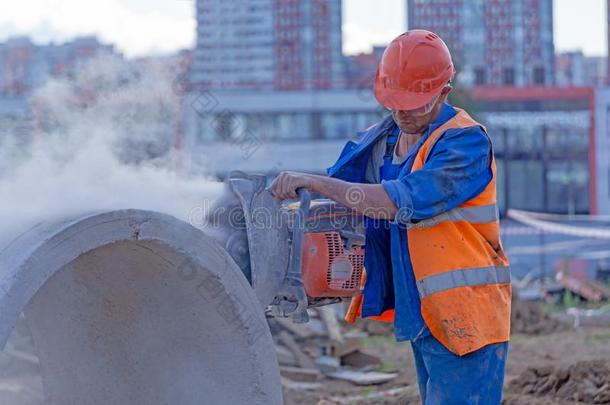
135	307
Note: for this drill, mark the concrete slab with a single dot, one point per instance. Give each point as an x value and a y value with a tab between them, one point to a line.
136	307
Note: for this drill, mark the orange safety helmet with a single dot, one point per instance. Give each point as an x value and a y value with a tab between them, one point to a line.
413	71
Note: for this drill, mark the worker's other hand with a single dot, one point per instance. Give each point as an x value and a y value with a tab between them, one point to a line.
286	184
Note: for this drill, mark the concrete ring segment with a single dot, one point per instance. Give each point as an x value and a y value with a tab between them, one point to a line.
137	307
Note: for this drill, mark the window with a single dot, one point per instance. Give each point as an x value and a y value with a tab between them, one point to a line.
524	141
568	187
335	125
508	76
526	187
539	75
565	140
479	76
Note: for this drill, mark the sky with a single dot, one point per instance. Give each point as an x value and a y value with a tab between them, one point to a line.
140	27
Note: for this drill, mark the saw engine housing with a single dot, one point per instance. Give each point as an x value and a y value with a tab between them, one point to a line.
332	251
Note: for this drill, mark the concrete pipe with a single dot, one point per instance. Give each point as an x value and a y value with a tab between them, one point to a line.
136	307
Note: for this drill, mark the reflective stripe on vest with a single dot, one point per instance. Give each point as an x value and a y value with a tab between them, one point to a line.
463	278
475	215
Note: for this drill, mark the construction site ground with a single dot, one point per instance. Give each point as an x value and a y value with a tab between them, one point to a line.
543	368
558	350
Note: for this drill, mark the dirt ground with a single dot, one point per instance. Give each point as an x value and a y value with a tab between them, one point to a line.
553	353
542	369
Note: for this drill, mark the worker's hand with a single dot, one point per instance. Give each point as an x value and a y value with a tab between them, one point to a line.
286	184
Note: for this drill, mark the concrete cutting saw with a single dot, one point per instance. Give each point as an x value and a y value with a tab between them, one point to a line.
295	255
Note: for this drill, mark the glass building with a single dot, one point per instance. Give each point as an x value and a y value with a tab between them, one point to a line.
544	137
544	145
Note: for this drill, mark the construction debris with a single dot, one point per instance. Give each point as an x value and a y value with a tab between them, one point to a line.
590	290
300	374
300	330
329	316
352	342
363	377
285	356
308	352
376	397
375	328
302	386
527	317
584	382
328	364
361	360
302	359
587	317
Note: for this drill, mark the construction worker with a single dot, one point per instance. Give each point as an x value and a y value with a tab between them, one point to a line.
425	179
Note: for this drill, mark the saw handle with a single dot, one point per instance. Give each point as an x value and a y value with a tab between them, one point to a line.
291	300
304	196
304	205
294	277
298	230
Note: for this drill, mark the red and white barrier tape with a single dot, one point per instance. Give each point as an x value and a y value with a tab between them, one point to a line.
541	221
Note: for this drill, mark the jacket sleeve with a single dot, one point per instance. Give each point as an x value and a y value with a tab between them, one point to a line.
457	170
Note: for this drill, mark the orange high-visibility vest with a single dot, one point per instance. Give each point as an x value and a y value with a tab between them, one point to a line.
461	270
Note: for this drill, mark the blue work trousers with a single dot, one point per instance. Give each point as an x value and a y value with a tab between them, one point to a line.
445	378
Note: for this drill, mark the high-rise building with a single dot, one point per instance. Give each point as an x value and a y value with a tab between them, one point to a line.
494	42
607	81
570	69
360	69
18	57
268	44
25	65
576	69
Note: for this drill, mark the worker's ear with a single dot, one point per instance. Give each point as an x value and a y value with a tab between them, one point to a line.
445	92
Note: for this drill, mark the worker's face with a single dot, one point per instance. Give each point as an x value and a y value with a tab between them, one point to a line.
417	121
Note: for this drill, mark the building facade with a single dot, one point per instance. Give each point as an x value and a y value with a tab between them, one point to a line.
25	65
270	131
608	42
360	69
545	145
494	42
268	44
574	69
551	143
602	149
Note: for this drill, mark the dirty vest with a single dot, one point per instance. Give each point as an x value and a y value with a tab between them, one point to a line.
462	273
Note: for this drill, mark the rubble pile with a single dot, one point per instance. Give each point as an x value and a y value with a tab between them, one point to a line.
584	382
527	317
324	348
375	328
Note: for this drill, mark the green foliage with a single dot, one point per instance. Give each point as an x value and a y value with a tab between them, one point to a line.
376	342
598	338
570	300
388	367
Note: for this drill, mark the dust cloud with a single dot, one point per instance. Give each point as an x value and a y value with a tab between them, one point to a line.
101	139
